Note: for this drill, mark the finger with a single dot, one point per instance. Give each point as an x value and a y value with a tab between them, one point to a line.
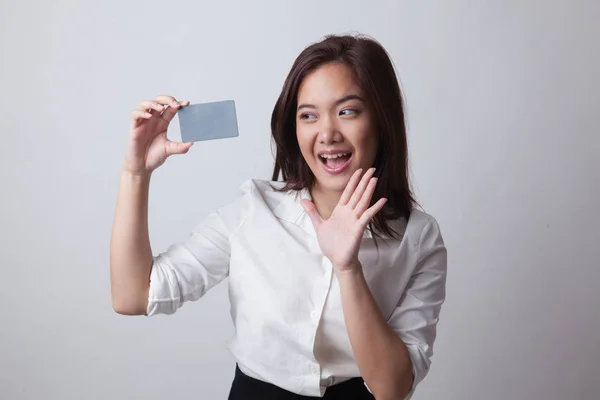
151	105
171	110
165	100
312	212
138	116
170	106
358	193
365	200
177	147
170	100
350	186
371	212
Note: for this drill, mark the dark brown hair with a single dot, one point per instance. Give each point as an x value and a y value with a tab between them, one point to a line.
375	74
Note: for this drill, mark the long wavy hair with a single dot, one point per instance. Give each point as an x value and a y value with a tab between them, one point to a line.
376	76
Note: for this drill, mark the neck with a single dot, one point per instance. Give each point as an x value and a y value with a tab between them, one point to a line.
325	200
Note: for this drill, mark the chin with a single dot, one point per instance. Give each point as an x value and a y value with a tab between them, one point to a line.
333	185
334	182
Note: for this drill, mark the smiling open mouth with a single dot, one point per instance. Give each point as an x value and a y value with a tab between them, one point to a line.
335	163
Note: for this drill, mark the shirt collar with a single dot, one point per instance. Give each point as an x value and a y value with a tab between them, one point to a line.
290	209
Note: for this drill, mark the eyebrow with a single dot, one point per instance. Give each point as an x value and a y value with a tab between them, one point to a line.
338	102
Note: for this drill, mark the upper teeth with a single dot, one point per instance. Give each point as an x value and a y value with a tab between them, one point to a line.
334	155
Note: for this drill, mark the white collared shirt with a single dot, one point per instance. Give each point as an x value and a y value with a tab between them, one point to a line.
285	298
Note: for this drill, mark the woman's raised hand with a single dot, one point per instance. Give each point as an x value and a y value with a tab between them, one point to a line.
148	146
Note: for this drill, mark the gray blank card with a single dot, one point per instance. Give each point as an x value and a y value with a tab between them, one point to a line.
208	121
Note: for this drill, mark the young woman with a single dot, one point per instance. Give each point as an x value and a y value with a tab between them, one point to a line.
336	279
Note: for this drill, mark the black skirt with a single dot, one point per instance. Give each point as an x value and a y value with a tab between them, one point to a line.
245	387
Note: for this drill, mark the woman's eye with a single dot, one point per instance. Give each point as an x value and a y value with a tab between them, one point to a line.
349	111
307	116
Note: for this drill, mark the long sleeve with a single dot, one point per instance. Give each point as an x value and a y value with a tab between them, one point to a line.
417	313
188	269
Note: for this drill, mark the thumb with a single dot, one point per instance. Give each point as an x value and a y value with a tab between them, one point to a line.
312	212
177	147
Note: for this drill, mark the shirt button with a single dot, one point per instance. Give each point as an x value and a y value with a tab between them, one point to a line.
314	314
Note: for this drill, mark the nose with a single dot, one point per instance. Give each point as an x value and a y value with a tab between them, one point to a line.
329	132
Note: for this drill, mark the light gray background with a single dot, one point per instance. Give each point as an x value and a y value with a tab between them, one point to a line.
503	109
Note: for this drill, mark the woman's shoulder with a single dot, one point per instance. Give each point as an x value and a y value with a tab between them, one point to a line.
253	195
413	228
419	218
271	197
420	222
269	193
261	185
424	230
263	188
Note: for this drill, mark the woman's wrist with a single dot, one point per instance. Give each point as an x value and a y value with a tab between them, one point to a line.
352	270
135	176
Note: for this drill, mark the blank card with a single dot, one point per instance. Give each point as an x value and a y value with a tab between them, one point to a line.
208	121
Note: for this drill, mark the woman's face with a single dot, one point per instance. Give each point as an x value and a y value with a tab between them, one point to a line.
334	126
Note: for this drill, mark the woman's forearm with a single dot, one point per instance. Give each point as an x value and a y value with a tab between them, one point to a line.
382	357
130	252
